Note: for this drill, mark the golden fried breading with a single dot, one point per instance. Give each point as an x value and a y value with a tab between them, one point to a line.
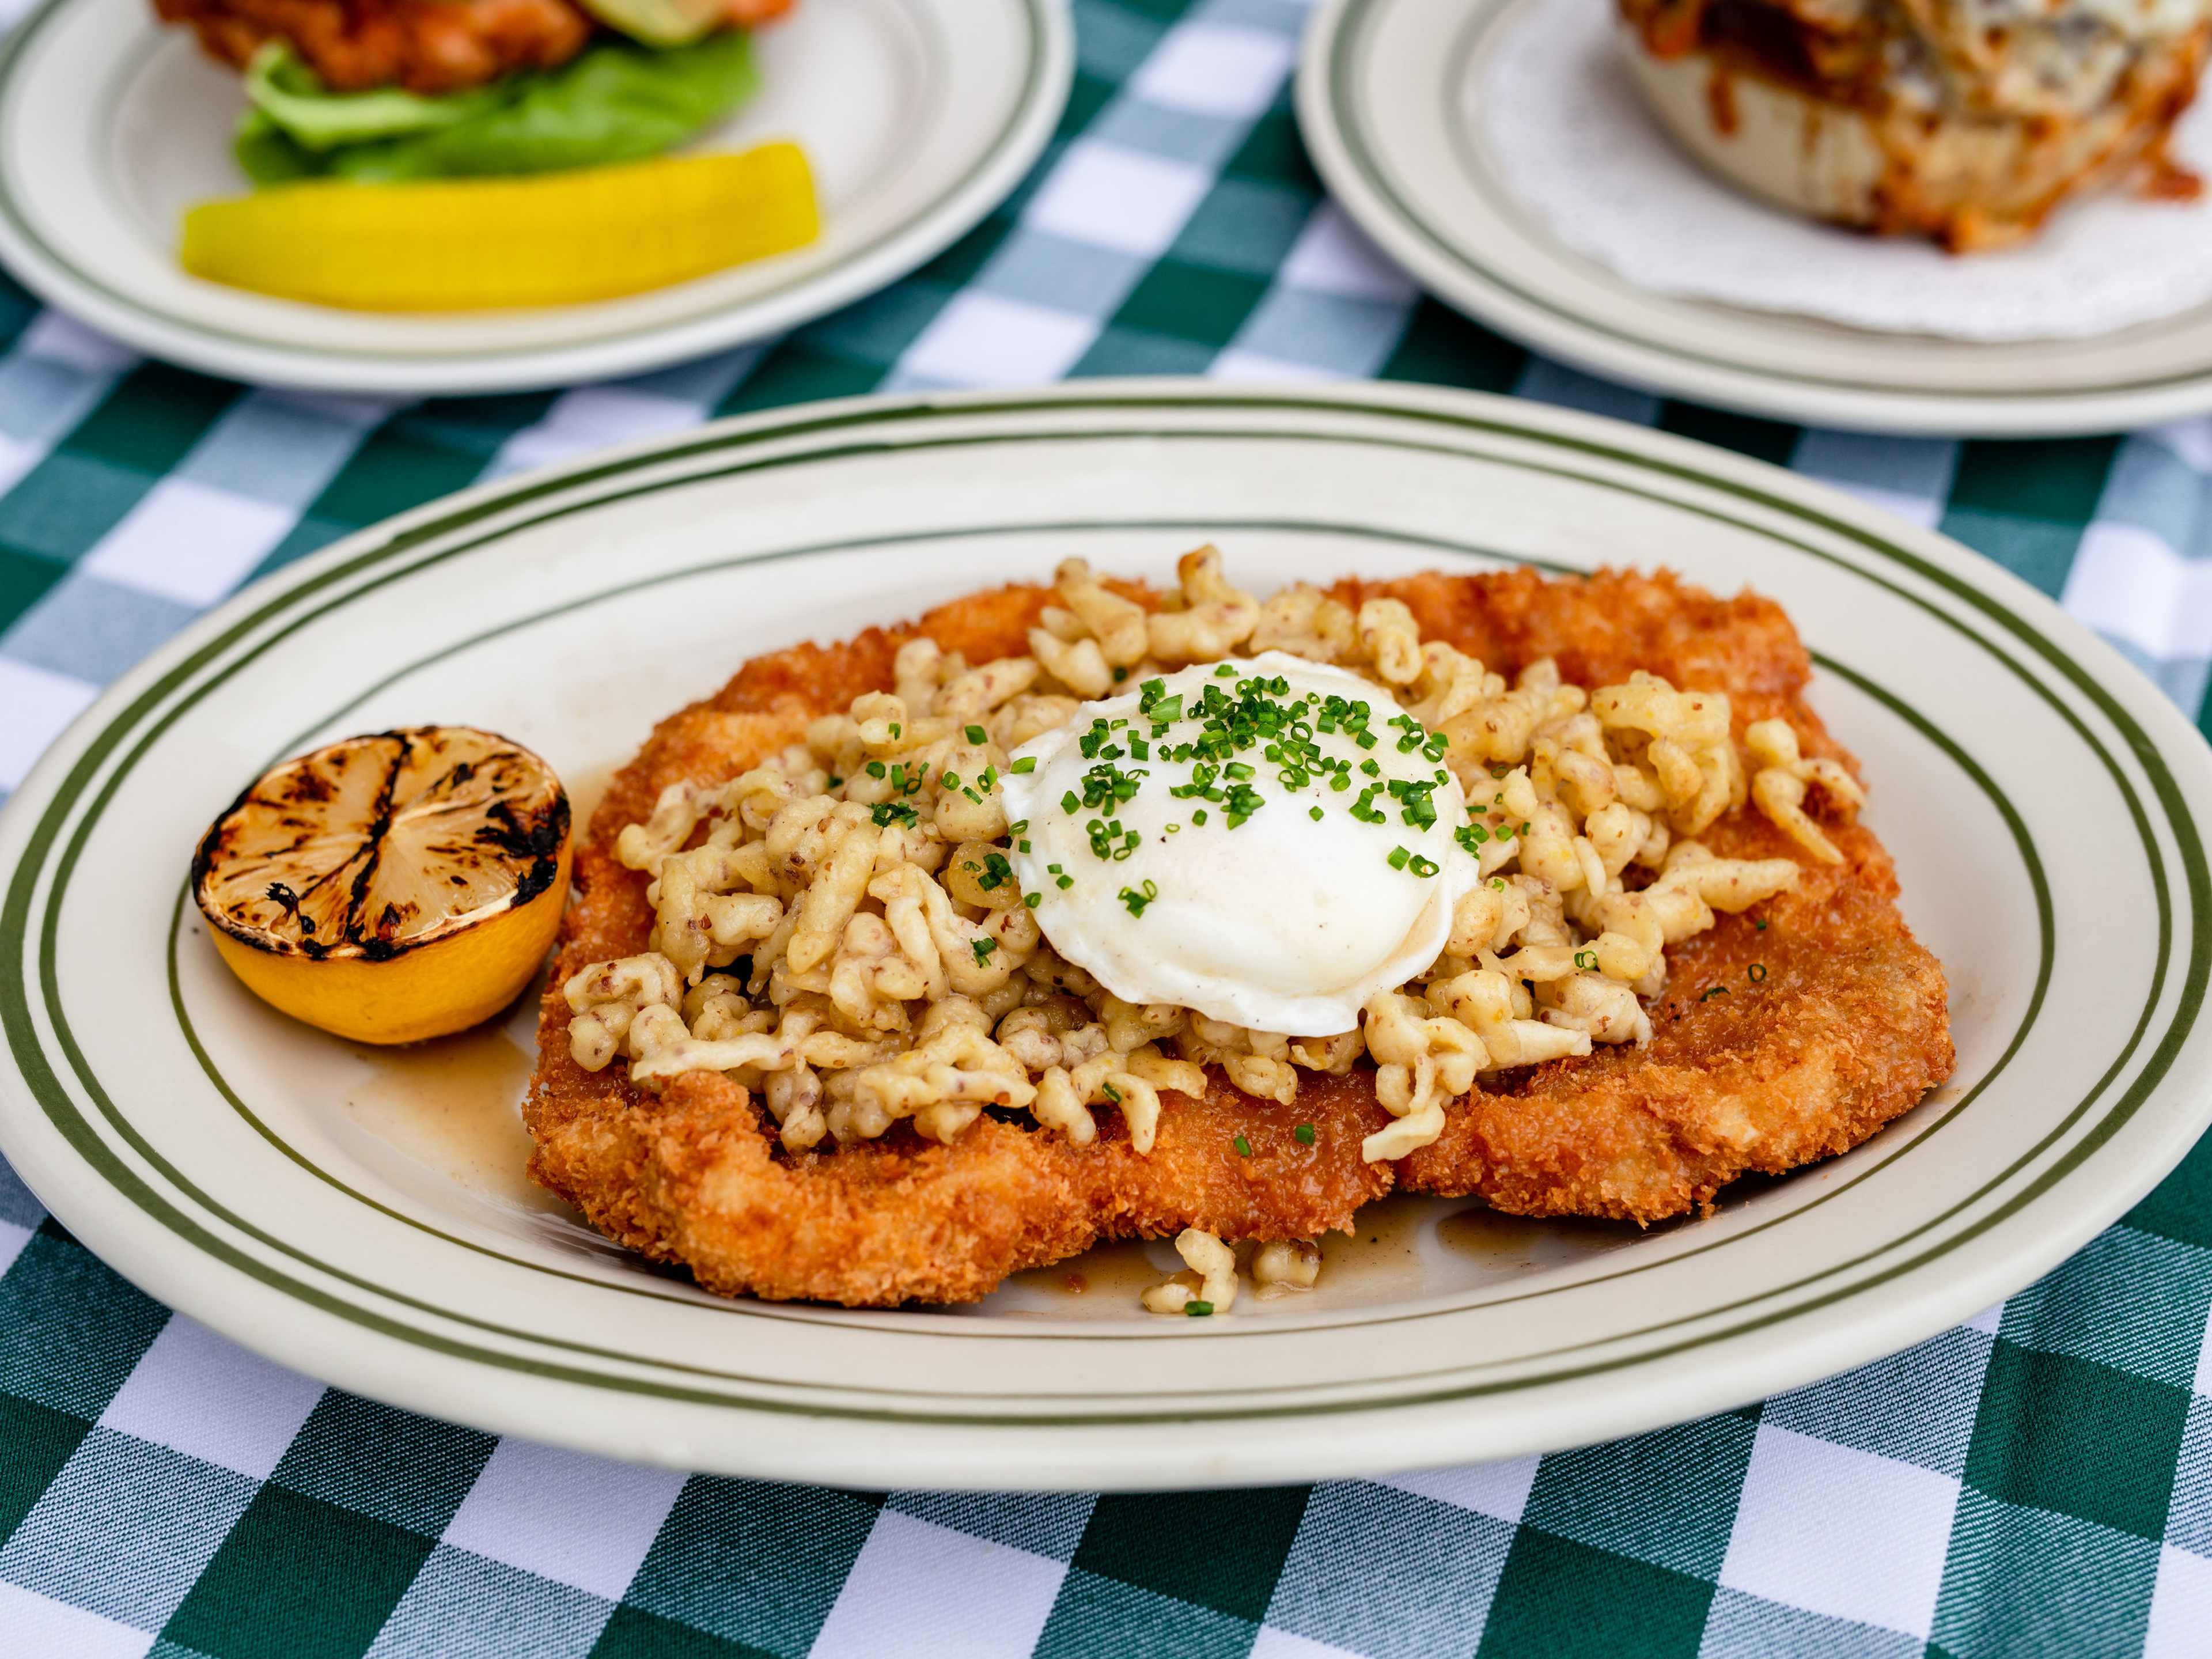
1845	1030
427	46
424	46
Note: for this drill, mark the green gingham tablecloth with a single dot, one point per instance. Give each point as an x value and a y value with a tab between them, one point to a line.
2038	1481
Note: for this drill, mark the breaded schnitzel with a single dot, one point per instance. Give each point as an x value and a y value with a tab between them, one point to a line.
1833	1020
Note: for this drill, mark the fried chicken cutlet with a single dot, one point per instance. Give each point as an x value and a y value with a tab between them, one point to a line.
1782	1036
426	46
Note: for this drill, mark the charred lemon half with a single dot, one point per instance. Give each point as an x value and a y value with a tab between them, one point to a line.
391	888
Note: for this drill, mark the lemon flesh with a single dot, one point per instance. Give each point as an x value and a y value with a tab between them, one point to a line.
391	888
471	244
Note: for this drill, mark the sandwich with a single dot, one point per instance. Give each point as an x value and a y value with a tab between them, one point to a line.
1964	121
390	90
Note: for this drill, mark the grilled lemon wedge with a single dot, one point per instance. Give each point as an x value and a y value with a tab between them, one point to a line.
391	888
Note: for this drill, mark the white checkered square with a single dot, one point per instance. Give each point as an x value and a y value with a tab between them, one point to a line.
1118	198
1498	1490
594	417
1331	256
1259	369
982	339
31	1624
45	389
39	707
188	541
1841	1532
579	1520
2180	1607
917	1590
1216	69
1273	1644
59	339
13	1238
2190	440
202	1395
1909	477
2127	582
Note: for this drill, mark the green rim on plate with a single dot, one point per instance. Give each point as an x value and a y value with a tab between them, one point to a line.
1339	129
1037	91
29	924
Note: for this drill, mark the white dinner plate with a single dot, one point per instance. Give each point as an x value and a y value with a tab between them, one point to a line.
1387	101
363	1217
919	117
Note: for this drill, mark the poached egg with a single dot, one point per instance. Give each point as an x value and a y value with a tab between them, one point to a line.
1269	840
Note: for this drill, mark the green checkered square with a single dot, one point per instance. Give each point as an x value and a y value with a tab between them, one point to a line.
299	1579
2024	503
1214	1549
705	1570
2067	1434
1666	1499
70	1329
1559	1599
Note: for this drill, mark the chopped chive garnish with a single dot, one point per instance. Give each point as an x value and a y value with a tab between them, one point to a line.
977	734
1400	858
1304	1134
1025	765
875	768
1715	991
1243	1147
1314	813
982	948
1758	972
1760	924
1197	1310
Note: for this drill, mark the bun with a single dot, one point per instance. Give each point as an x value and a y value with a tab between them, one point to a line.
1968	181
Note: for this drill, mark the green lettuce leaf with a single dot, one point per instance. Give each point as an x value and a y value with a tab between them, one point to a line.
293	99
616	103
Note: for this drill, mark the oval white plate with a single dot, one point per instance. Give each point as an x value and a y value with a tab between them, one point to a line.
919	116
2042	799
1386	102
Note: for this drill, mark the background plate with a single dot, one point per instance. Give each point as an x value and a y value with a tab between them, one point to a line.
1386	102
353	1218
919	116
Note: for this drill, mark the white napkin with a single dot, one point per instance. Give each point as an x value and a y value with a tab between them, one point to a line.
1569	135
